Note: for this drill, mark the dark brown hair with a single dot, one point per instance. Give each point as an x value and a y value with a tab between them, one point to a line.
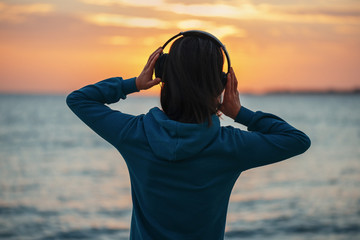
192	80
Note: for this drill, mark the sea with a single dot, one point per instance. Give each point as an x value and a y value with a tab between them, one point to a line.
59	180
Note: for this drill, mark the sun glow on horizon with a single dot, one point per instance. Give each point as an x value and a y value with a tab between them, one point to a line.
63	45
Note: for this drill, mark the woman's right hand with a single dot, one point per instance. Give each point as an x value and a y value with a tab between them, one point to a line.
231	103
145	79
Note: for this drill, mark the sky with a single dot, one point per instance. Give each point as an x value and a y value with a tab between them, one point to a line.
56	46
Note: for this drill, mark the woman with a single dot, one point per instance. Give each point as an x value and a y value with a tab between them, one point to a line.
182	163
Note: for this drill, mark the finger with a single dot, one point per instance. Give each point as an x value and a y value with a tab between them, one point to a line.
235	80
153	54
153	58
226	91
156	81
231	88
153	61
153	82
228	83
156	52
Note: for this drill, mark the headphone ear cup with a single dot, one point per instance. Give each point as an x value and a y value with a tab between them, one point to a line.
223	78
159	65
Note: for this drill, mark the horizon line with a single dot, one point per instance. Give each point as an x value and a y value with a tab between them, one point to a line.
355	90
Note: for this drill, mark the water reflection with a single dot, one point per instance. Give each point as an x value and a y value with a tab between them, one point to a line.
59	180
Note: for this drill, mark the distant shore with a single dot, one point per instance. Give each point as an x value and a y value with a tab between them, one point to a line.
307	92
354	91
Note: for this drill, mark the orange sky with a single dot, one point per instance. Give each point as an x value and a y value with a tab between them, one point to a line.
60	45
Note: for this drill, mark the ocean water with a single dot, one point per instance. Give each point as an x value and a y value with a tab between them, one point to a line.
59	180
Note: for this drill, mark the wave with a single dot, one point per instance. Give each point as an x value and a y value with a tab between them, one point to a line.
299	230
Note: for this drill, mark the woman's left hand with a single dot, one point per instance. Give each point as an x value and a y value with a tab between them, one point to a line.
145	79
231	104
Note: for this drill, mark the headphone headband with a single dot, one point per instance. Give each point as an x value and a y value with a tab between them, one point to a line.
206	35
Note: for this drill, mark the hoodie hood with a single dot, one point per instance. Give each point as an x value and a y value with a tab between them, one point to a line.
171	140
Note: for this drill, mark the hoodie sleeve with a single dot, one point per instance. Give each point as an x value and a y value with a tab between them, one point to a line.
269	139
88	103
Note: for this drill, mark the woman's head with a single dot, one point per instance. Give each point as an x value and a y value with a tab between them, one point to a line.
192	80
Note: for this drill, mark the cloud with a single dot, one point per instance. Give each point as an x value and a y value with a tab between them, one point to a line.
222	18
117	20
266	12
312	14
197	8
246	10
106	19
218	30
18	13
116	40
336	12
146	3
239	11
190	2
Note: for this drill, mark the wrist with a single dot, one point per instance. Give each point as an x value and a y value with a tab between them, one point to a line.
137	84
235	113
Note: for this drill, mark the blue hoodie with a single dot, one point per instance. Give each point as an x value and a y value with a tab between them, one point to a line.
182	174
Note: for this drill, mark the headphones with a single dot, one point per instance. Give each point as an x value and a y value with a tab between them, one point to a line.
160	62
